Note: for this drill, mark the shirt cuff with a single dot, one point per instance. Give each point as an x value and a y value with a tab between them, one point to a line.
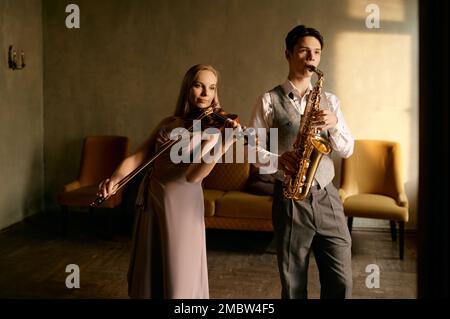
334	132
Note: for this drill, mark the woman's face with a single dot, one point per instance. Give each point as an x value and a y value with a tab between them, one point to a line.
203	89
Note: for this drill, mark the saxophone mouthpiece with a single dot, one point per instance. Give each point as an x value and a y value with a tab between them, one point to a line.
314	69
311	67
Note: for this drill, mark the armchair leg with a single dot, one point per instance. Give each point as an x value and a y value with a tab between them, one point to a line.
110	223
401	239
63	229
393	230
350	223
91	222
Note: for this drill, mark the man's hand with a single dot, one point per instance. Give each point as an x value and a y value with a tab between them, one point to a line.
324	119
288	162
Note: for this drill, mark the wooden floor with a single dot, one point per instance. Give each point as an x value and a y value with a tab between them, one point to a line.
33	261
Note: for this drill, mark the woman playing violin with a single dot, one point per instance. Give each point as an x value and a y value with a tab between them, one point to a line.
168	258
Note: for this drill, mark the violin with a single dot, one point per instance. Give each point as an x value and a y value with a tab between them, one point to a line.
213	116
218	119
210	117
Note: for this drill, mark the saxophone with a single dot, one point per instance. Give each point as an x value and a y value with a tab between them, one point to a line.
309	146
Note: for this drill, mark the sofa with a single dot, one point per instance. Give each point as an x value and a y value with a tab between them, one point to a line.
233	202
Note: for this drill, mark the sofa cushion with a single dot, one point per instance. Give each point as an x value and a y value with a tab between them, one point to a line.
228	176
244	205
210	196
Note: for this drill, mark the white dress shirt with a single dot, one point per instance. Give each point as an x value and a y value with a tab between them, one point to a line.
262	117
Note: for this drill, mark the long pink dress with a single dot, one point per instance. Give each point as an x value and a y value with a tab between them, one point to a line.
168	258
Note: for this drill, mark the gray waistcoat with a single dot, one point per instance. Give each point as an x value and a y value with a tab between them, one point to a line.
287	120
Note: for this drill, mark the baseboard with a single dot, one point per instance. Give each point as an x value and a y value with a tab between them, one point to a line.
25	220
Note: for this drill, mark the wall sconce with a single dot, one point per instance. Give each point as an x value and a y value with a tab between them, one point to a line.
13	62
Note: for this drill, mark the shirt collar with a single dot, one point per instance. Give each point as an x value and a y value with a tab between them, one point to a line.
289	87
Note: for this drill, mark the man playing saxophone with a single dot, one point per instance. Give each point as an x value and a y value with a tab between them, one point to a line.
314	221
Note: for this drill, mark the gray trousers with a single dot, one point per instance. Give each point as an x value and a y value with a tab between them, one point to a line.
317	223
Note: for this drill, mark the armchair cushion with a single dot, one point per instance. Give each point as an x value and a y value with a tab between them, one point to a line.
83	196
375	206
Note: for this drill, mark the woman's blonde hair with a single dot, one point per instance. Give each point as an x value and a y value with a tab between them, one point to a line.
183	108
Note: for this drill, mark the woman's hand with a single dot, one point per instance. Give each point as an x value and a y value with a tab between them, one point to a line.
107	188
228	140
232	123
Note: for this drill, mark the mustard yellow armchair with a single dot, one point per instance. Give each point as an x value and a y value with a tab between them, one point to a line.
100	157
372	187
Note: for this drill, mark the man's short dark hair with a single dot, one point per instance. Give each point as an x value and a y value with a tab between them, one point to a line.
301	31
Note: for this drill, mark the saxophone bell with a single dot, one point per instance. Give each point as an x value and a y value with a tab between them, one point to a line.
321	144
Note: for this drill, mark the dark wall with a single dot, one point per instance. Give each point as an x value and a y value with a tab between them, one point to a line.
434	145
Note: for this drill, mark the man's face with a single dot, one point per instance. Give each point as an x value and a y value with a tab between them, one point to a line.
306	52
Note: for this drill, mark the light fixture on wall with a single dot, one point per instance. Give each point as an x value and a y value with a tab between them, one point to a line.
13	61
